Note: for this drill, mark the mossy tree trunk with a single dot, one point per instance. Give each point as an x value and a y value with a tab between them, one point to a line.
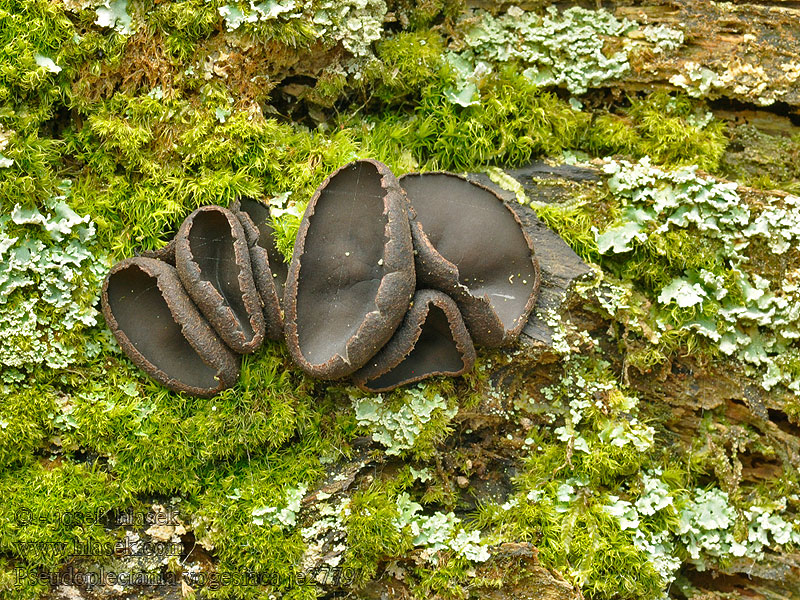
743	58
749	436
148	109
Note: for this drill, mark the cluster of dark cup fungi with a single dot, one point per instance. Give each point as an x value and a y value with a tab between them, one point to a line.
391	281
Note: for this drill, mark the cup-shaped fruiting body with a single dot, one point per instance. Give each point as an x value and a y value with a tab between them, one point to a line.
471	246
160	329
351	276
269	268
213	262
165	253
432	340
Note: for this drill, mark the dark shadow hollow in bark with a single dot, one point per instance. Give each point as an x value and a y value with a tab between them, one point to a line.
351	277
269	268
471	246
213	262
432	340
162	332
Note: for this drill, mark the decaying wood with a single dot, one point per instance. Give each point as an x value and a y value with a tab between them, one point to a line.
685	390
751	52
752	47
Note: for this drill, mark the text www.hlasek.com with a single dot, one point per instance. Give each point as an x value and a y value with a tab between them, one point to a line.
52	549
324	574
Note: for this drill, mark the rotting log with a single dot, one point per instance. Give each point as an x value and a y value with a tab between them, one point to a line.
683	391
686	387
749	52
752	48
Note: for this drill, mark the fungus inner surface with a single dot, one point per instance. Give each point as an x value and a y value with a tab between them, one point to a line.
474	230
434	352
342	262
260	216
133	293
212	246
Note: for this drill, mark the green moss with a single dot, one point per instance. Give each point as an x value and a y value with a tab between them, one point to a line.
29	30
410	62
42	52
610	134
426	13
25	424
157	440
189	163
372	535
13	589
576	222
147	165
581	540
607	563
674	131
30	179
228	455
185	23
671	129
330	86
450	579
676	252
226	518
60	502
645	358
514	123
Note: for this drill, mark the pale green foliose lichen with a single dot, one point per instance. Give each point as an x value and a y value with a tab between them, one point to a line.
439	531
355	24
49	283
749	80
284	516
235	16
753	318
114	14
696	79
468	75
558	48
47	63
663	38
704	529
398	428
